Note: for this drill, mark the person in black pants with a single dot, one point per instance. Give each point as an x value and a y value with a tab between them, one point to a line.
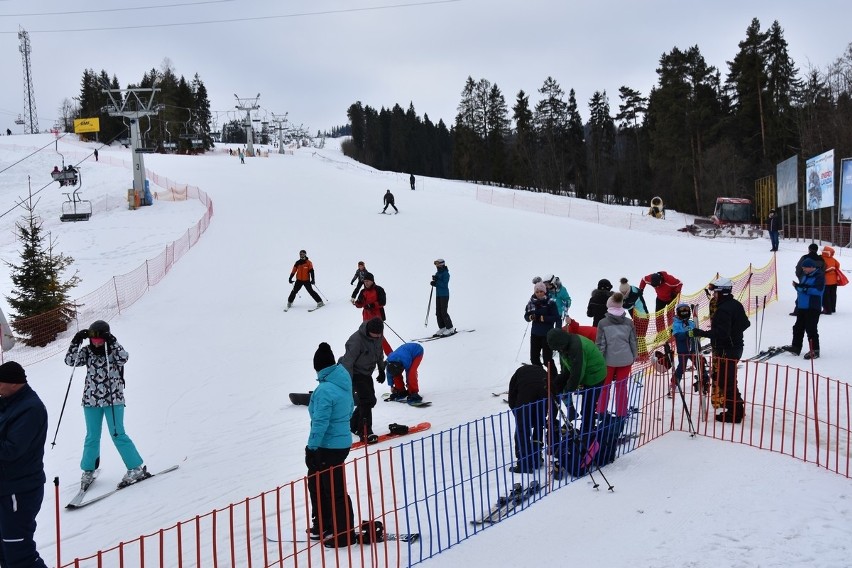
809	291
389	202
303	270
773	225
364	355
542	312
411	181
727	326
528	401
23	432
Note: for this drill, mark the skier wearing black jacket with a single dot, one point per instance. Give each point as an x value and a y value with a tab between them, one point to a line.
727	326
597	303
528	401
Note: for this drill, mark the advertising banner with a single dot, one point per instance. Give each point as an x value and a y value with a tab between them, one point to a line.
846	190
819	181
787	177
82	125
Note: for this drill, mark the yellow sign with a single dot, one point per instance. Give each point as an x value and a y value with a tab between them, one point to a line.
87	125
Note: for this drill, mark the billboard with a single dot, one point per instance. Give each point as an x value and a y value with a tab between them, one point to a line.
846	191
82	125
819	181
787	177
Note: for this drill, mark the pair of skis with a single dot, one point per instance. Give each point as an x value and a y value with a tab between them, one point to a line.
387	537
79	501
767	354
507	504
434	337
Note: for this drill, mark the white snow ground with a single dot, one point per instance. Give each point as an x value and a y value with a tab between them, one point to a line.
213	356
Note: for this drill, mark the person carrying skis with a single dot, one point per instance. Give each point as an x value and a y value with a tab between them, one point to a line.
23	432
103	399
303	270
404	359
687	350
597	302
359	276
541	311
441	282
364	355
328	447
727	325
617	341
389	202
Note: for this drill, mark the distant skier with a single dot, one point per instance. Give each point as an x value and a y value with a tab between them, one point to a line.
303	269
389	201
411	181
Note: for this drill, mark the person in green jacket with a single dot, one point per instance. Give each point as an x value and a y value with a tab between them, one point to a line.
583	368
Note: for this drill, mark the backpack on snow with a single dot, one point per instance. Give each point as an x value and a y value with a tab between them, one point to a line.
572	453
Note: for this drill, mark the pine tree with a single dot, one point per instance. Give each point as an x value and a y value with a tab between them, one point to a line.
40	296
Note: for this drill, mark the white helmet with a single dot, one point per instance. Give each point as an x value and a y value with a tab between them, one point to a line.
722	285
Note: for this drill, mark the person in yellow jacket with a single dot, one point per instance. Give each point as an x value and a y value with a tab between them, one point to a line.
832	267
303	270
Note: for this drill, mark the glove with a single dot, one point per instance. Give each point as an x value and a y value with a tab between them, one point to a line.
313	281
352	301
381	378
691	333
110	340
80	336
311	458
433	283
369	306
290	280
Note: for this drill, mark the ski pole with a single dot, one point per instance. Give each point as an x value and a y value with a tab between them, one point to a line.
394	332
762	319
610	486
756	317
324	297
61	412
429	306
686	409
521	346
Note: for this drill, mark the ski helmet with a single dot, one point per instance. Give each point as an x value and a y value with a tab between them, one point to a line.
722	285
683	311
99	329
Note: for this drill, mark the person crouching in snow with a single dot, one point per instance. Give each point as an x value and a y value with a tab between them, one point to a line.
404	359
617	342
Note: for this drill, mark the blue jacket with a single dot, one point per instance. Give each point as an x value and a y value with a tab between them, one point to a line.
680	329
809	290
331	408
442	282
23	432
543	314
405	354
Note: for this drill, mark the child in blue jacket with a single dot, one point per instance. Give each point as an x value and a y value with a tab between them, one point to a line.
686	346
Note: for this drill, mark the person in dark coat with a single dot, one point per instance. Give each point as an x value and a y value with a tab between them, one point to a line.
809	292
363	356
528	402
389	202
542	312
23	432
597	303
727	326
773	225
441	282
411	181
634	302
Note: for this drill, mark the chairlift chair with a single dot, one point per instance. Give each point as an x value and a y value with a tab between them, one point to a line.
75	208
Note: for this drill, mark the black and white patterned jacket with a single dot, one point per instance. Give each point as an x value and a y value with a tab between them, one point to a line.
101	388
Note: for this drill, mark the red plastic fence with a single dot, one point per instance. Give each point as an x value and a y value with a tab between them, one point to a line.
436	485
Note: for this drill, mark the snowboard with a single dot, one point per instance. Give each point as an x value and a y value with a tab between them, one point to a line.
421	404
300	398
385	437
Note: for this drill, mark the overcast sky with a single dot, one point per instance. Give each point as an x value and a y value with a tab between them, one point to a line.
313	58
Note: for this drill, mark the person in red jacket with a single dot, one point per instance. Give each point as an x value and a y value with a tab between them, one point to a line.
372	301
668	289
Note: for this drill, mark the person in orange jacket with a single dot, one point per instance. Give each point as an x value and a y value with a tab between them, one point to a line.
303	270
832	267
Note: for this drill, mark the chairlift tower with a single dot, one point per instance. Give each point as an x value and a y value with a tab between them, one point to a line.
248	105
280	122
30	115
131	104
